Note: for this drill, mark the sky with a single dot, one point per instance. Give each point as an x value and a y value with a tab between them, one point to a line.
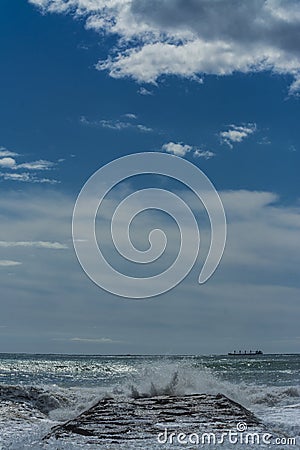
84	82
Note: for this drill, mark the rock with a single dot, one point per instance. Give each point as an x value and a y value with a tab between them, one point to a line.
117	421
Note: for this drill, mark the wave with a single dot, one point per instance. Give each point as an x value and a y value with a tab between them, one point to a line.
275	396
37	398
161	378
186	378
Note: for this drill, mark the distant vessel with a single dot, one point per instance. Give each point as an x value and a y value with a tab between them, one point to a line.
245	353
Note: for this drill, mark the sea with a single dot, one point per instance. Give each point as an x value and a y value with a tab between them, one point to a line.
38	392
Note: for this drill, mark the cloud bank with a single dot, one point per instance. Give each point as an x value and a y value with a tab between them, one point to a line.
192	38
256	286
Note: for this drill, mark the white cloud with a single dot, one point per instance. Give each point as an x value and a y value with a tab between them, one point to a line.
295	86
26	178
102	340
4	153
41	164
11	163
203	37
117	125
237	133
143	128
9	263
149	62
7	162
114	124
131	116
144	91
206	154
180	149
37	244
177	149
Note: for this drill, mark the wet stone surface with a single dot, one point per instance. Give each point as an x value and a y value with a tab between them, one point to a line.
121	421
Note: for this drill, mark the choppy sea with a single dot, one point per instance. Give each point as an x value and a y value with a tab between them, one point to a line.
40	391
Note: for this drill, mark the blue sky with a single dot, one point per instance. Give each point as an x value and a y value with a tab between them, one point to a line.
224	96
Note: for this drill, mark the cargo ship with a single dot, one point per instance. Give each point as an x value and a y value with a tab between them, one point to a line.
245	353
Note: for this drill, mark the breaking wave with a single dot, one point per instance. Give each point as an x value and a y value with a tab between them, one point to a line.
37	398
154	380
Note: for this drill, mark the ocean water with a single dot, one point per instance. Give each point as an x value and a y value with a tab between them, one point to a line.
40	391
